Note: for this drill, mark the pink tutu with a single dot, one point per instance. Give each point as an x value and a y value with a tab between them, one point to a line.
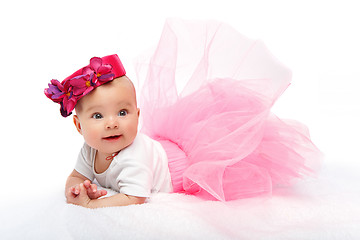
206	94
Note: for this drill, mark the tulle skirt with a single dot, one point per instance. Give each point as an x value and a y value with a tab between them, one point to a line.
206	95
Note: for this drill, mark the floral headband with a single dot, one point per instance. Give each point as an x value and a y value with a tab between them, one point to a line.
83	81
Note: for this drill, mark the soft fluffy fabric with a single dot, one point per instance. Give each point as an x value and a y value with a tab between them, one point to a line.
323	208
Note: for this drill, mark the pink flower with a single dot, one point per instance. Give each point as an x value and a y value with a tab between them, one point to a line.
55	91
101	71
63	94
83	84
92	76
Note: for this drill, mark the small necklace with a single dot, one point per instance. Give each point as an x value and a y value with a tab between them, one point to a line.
111	157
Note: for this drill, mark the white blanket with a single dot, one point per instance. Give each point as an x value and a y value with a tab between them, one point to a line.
324	208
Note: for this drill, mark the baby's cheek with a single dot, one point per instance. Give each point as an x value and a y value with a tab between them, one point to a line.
91	138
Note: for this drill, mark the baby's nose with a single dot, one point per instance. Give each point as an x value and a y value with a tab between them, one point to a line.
112	123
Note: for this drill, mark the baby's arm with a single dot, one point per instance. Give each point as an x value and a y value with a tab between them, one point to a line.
116	200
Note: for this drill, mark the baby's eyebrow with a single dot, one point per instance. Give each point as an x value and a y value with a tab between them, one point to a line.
125	104
91	108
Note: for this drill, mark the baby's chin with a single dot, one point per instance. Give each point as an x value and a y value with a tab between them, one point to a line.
111	150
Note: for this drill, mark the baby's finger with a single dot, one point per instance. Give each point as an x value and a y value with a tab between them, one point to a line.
82	189
75	190
69	193
93	188
87	184
103	193
99	194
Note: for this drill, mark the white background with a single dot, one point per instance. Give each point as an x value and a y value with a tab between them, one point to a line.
41	40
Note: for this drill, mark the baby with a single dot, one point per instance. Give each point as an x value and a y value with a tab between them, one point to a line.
114	153
216	139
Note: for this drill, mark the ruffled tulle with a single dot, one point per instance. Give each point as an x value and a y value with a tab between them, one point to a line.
206	95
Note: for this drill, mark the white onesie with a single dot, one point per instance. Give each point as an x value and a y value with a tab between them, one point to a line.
138	170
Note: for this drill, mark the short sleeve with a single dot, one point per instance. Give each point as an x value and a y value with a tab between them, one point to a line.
134	179
85	162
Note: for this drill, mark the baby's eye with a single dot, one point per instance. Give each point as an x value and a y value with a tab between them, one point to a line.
97	116
123	113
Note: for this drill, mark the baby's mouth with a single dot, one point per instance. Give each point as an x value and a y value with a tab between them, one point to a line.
114	137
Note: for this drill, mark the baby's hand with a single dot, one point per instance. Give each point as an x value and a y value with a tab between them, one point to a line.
92	190
79	196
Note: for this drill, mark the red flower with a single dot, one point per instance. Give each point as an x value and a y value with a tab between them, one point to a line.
92	76
63	94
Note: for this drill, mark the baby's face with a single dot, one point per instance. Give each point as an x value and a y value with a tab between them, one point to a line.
108	116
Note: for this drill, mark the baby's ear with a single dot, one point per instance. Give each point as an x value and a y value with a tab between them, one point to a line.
77	123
